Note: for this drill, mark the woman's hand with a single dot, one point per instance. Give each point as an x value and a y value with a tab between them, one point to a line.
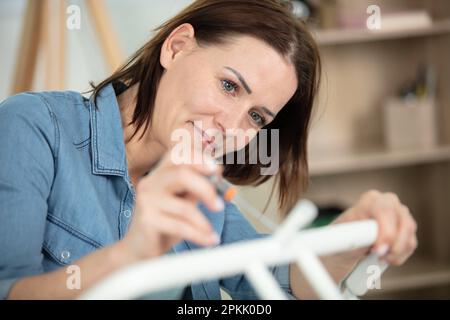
396	239
166	209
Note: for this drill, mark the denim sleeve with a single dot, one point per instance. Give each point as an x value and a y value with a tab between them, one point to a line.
27	137
237	228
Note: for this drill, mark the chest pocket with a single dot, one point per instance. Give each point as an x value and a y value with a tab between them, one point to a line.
66	245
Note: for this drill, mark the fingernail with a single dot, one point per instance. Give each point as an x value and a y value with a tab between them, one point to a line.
220	205
382	250
211	164
215	239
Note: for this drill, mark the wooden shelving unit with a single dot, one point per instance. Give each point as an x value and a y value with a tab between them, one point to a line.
418	273
347	153
363	68
350	36
352	161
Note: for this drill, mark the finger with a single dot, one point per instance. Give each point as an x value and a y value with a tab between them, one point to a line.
387	227
174	227
186	181
365	205
405	232
368	199
405	256
186	211
400	244
406	241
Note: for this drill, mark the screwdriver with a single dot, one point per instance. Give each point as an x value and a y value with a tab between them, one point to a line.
229	193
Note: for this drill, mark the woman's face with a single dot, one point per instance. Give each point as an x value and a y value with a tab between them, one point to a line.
218	92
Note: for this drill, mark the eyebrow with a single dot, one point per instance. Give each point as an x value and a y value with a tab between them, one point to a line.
270	113
241	79
247	88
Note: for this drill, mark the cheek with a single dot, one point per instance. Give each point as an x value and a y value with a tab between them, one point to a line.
203	99
239	139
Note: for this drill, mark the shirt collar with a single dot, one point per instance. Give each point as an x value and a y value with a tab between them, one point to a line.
107	140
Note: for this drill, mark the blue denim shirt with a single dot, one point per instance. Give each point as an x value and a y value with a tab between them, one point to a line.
65	189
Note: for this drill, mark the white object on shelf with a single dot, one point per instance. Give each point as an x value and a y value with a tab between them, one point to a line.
247	257
410	124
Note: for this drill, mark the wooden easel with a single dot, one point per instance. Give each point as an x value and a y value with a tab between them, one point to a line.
44	29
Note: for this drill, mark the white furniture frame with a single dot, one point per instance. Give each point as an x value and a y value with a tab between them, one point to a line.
252	258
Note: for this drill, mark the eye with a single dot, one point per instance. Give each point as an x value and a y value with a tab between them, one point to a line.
229	86
257	118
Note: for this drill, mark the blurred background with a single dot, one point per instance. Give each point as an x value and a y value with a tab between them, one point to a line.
382	120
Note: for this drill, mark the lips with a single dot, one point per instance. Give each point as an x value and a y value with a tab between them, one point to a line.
207	139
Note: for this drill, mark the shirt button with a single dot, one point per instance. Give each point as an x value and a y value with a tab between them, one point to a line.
65	254
127	213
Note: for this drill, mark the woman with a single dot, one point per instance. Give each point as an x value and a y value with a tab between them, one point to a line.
93	183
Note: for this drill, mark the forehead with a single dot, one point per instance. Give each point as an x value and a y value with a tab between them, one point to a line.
271	76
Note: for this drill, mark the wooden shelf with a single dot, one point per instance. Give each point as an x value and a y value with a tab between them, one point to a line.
350	36
346	162
417	273
347	156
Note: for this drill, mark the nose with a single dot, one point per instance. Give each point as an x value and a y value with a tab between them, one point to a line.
230	118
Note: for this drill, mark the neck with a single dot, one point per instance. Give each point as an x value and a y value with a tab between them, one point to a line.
142	154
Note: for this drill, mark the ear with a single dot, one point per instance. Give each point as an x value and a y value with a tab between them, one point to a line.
181	39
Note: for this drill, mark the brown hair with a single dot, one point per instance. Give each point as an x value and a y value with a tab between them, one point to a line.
214	21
